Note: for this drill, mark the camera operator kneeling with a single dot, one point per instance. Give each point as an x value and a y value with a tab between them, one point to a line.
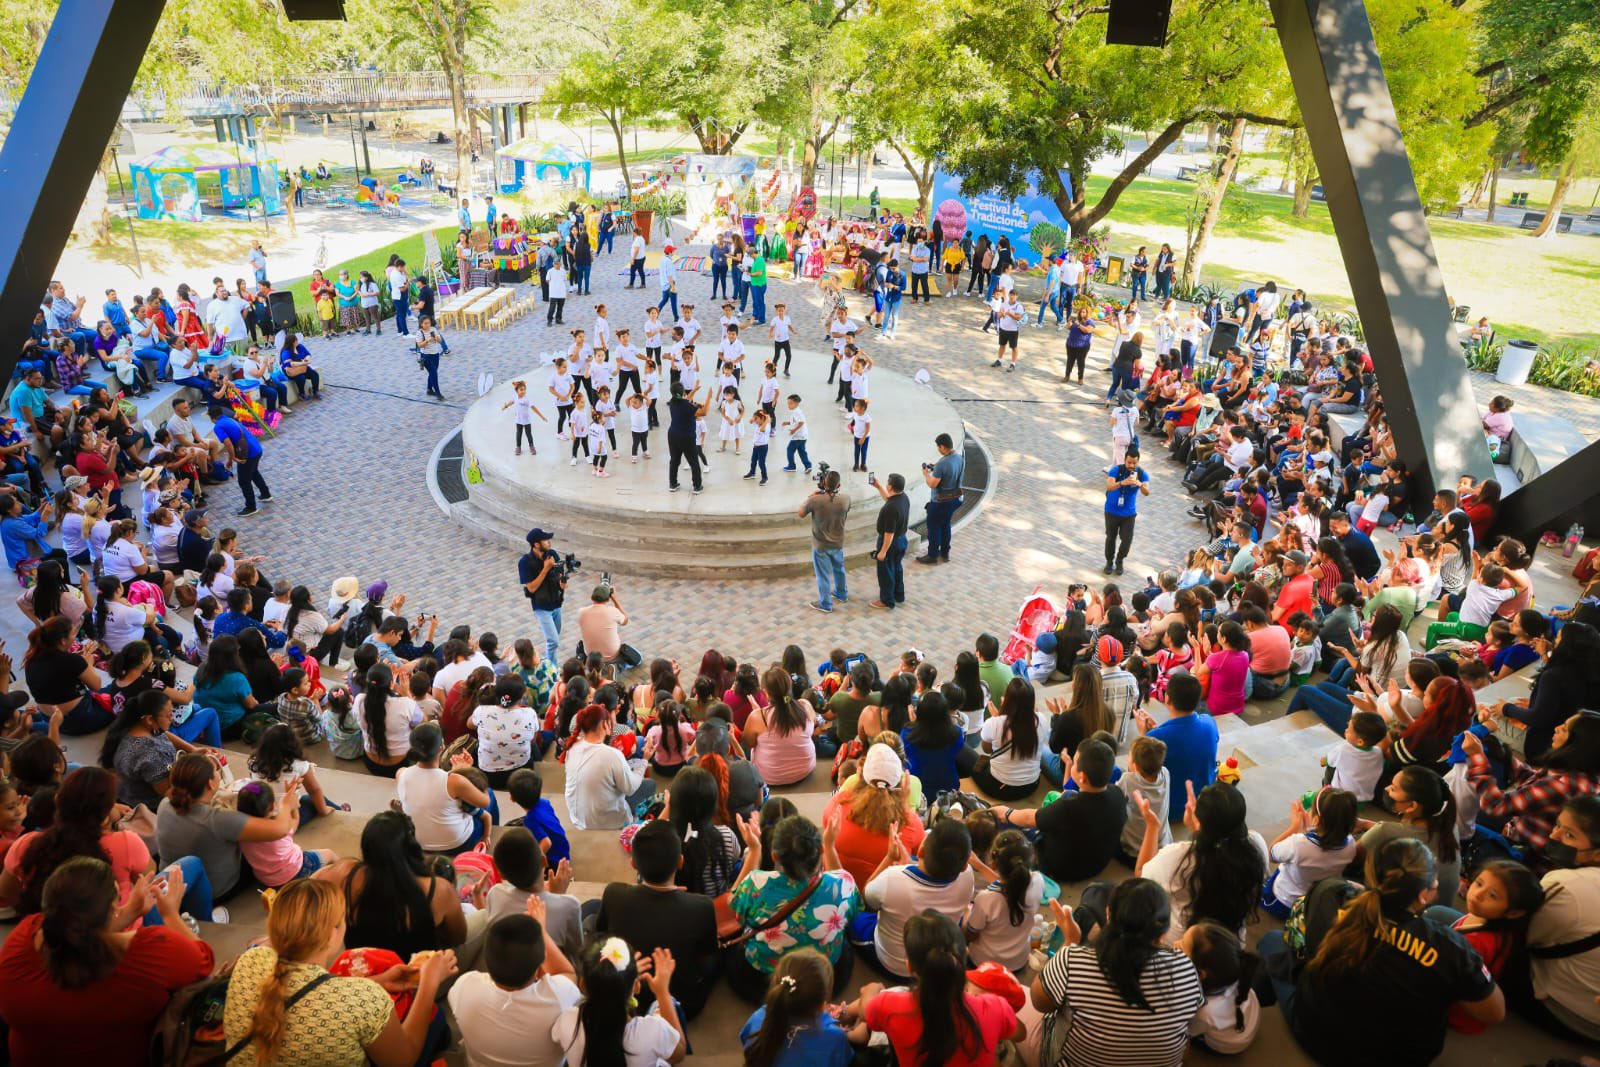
600	624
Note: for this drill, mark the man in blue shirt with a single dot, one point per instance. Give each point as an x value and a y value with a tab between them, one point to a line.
20	528
1124	483
237	619
116	314
27	403
1052	294
944	478
1363	554
464	216
243	453
1191	740
490	214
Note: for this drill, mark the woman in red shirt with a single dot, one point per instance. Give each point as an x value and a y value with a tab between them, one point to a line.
76	986
870	812
1481	506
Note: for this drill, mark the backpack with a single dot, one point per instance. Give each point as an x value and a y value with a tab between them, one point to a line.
989	258
358	628
189	1032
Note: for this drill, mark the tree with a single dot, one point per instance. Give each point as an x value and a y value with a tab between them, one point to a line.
1054	97
1583	157
1207	205
1538	57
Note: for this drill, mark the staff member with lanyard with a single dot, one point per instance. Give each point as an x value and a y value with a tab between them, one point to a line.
944	478
544	582
682	412
1124	483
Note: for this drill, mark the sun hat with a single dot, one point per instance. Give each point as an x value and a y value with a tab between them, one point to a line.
344	588
882	767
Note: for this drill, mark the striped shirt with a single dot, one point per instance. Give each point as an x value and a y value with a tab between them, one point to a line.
1106	1030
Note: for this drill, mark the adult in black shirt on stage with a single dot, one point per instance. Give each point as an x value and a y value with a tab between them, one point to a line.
893	519
682	412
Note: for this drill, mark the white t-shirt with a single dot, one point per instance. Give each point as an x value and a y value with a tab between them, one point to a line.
1240	454
780	327
638	419
1302	863
124	625
274	610
1355	769
561	388
691	329
397	282
1000	941
510	1028
647	1040
599	782
522	410
556	280
1480	602
402	713
796	424
121	559
636	250
627	358
1266	304
441	823
163	540
1163	870
1009	768
1071	272
652	333
1218	1022
901	892
861	426
1125	423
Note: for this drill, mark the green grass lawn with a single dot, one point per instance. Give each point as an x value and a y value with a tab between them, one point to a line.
409	249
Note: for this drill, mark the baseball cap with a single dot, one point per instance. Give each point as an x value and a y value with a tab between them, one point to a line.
1108	650
194	516
1294	555
1046	643
601	594
882	767
12	701
539	533
670	248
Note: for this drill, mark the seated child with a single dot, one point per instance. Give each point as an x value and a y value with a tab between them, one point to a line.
1356	763
942	882
1501	898
1316	845
276	863
341	727
507	1010
1000	924
1147	774
793	1027
279	757
541	820
521	866
296	708
421	689
1227	1021
1306	652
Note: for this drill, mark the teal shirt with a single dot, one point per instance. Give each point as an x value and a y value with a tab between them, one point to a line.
758	270
27	397
225	696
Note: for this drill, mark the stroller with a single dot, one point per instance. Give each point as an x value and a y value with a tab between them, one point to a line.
1039	615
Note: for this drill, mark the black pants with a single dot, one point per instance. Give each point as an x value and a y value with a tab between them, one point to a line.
892	573
636	269
622	385
680	448
919	281
563	413
557	305
980	279
1118	526
1076	357
525	430
641	442
578	441
783	348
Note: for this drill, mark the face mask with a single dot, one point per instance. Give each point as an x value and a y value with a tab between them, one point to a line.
1560	855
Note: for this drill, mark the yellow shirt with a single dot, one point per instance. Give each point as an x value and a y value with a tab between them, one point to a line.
330	1027
953	256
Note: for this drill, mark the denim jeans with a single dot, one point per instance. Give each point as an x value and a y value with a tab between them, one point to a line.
550	623
1051	767
719	281
607	237
430	363
940	512
741	290
758	303
1120	380
1259	688
892	573
891	317
250	480
196	892
1136	287
667	295
160	356
1051	302
829	566
202	725
1331	703
797	448
580	281
400	310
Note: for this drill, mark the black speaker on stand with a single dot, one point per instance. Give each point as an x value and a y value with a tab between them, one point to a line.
281	304
1142	23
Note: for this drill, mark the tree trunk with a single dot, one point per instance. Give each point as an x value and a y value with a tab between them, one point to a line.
614	120
1211	137
810	153
461	119
1302	197
923	176
1558	199
1194	255
1494	187
1476	199
1079	215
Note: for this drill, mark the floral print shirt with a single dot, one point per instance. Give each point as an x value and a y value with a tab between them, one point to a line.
819	923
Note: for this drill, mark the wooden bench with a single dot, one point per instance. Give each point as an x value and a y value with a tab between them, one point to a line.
1532	219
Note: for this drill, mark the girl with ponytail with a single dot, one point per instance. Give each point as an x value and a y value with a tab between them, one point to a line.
1381	951
603	1031
386	721
76	985
284	1007
793	1028
1227	1022
778	733
1427	811
666	743
1001	920
711	852
937	1020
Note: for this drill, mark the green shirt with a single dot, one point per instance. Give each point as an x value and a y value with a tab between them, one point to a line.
758	270
847	713
996	676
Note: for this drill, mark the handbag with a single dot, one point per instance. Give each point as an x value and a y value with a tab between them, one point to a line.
777	918
985	758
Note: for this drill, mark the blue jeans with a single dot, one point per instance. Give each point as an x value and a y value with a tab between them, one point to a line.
160	355
892	573
1259	688
78	390
580	280
1330	702
719	281
741	290
758	303
829	565
202	725
860	451
666	296
196	892
1136	287
1053	303
940	512
550	623
431	364
797	448
1051	767
758	458
400	310
891	316
1120	380
606	238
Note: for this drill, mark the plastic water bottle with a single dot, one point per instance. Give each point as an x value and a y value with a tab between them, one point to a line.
1574	538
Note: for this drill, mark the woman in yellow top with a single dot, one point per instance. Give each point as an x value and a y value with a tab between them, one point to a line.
284	1008
953	259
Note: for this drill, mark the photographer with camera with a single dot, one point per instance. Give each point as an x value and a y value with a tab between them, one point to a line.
600	623
944	478
893	519
828	511
543	574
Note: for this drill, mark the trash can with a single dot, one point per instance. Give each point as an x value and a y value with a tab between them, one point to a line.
1515	362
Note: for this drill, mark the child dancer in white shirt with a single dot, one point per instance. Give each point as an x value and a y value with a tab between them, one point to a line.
598	450
639	424
605	413
760	435
524	416
778	328
581	421
861	430
732	429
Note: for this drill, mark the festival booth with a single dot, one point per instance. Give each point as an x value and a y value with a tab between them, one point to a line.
166	183
547	162
708	178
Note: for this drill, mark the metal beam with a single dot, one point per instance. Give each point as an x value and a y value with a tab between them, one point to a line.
1558	497
61	129
1383	237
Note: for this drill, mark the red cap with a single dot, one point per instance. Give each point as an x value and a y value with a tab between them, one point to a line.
1109	650
993	978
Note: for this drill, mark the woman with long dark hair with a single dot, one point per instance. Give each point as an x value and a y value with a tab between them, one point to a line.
190	825
606	1030
143	744
778	734
711	852
1013	738
935	746
76	985
62	680
937	1021
745	694
386	720
976	694
893	710
1427	811
266	681
1216	875
52	595
1383	657
1083	714
320	636
1131	996
1524	810
221	683
1380	951
392	899
1569	681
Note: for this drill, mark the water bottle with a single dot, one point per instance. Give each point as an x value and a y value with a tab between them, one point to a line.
1574	536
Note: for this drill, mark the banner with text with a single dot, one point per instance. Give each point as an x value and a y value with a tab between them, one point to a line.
1032	221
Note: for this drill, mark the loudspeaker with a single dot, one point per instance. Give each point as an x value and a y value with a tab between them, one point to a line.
281	304
1223	336
1138	22
313	10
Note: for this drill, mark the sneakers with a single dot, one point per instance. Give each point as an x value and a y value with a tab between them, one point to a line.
749	476
841	600
647	455
818	605
574	462
247	512
791	470
673	488
633	459
929	560
996	363
698	491
1010	367
1109	568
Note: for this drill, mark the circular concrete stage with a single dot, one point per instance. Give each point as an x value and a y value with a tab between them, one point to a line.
630	523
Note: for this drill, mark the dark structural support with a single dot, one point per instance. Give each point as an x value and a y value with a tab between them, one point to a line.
63	123
1567	493
1383	237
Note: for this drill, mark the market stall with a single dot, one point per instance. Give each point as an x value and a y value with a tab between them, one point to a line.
547	162
181	181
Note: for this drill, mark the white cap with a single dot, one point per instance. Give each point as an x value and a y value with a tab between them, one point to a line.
882	767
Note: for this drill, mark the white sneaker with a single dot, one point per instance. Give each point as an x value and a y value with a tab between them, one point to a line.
633	459
574	462
219	914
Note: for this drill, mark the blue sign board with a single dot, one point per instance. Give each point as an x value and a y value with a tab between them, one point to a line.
960	211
